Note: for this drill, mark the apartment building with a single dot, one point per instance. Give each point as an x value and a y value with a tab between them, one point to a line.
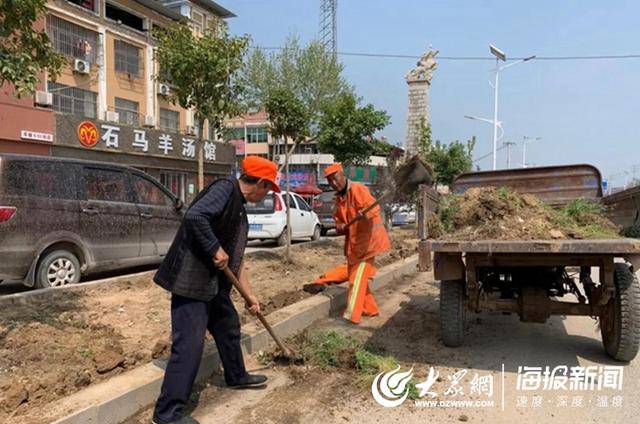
107	105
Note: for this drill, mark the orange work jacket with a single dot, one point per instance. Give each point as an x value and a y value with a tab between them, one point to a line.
367	237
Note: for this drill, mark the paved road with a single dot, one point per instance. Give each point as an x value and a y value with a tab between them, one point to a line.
408	329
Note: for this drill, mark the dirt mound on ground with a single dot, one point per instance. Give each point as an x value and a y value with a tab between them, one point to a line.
501	214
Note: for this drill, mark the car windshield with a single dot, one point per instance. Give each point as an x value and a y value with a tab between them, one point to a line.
266	206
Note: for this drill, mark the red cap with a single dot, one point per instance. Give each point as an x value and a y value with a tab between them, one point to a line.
332	169
255	166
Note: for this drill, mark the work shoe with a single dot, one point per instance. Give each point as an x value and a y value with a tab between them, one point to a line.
184	420
313	288
251	380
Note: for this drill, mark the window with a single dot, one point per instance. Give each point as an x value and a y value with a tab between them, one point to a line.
303	204
123	17
198	22
42	179
128	112
104	185
265	206
86	4
71	39
73	100
150	194
229	133
128	58
292	202
257	135
176	182
169	119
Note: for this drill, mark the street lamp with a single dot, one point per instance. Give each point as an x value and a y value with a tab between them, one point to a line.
500	56
489	121
526	140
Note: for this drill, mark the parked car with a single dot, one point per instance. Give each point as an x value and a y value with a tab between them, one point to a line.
323	206
61	219
403	214
268	219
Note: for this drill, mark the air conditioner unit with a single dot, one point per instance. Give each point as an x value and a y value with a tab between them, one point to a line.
149	121
43	98
164	89
112	116
81	66
191	130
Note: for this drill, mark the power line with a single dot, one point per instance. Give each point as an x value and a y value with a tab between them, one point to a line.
489	154
470	58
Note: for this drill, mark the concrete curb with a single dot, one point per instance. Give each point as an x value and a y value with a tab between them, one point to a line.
117	399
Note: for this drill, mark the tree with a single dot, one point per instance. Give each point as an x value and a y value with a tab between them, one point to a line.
203	73
448	160
311	74
346	130
25	52
289	119
291	85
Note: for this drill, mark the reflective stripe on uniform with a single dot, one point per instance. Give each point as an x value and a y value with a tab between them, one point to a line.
354	290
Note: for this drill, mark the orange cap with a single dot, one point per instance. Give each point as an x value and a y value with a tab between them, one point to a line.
332	169
255	166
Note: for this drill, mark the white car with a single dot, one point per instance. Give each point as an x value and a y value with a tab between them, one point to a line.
403	214
268	219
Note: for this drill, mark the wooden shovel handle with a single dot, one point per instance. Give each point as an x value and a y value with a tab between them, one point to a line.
245	296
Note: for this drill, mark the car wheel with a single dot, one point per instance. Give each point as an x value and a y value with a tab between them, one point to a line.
316	233
57	268
324	232
284	237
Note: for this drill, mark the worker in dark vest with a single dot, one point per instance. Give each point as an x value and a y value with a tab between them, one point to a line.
213	235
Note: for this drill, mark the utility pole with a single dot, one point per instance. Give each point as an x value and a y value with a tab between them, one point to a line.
509	144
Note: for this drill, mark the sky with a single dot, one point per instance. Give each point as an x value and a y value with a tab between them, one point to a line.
584	111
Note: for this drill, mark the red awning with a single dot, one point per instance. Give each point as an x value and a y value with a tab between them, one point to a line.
307	189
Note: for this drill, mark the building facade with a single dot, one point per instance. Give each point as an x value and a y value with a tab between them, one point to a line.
107	104
250	136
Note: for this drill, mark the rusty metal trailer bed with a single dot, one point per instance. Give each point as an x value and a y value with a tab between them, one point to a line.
527	278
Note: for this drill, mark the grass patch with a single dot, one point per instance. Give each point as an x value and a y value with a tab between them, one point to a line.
632	232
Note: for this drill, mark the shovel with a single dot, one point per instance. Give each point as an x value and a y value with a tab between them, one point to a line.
287	353
408	177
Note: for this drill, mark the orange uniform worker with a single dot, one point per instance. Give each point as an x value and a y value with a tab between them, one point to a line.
365	239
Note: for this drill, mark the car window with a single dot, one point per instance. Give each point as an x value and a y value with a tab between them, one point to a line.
265	206
303	204
292	202
55	180
149	193
105	185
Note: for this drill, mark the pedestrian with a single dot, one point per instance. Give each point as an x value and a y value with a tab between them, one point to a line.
213	235
363	241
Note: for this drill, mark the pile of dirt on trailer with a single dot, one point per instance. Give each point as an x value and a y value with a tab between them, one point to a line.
61	341
500	214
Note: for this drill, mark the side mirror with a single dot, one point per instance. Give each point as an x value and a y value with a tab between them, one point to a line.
179	204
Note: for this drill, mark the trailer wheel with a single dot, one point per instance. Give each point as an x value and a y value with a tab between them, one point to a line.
620	324
453	312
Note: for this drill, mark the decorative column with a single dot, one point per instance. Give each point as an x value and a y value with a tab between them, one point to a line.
419	81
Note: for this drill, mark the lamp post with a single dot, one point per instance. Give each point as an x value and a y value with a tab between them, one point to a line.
526	140
500	56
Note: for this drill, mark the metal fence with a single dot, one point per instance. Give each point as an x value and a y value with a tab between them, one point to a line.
128	58
71	39
73	100
128	112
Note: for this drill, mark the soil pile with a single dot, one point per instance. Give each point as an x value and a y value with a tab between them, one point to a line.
500	214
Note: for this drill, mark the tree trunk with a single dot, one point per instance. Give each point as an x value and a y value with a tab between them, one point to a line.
200	155
288	201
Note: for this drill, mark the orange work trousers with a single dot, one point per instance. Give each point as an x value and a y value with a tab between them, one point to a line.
360	299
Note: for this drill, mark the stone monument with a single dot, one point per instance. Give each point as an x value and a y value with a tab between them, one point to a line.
419	81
